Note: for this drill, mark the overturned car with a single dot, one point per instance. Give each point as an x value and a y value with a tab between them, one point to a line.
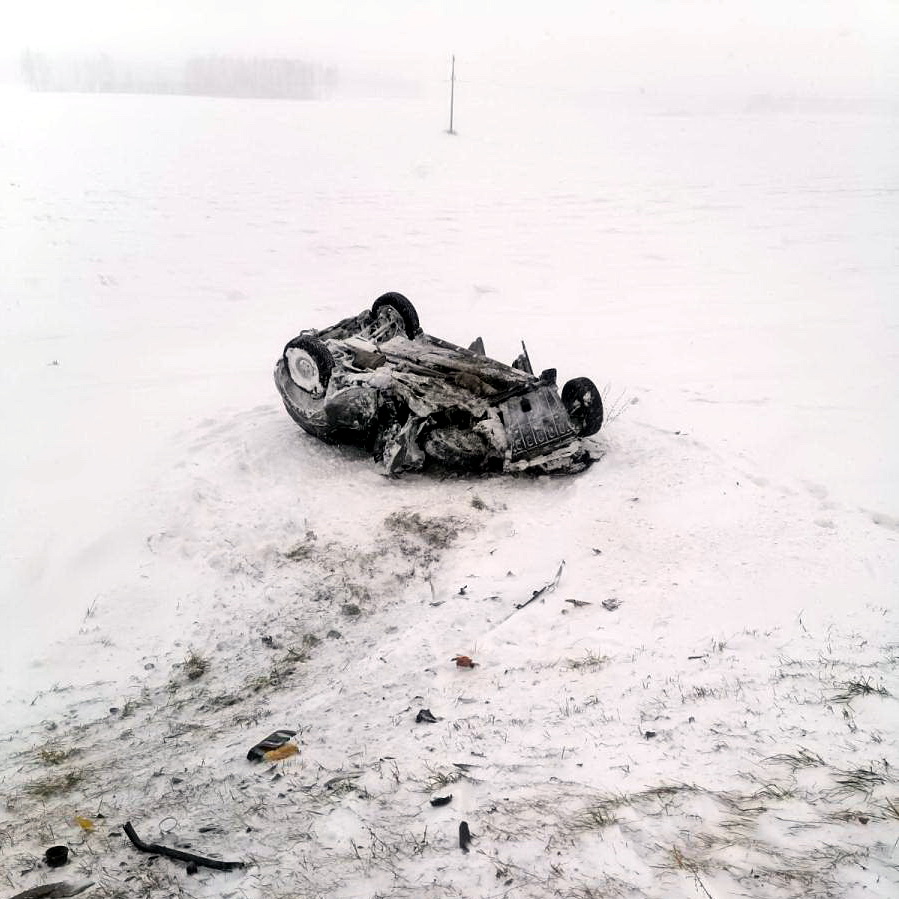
378	381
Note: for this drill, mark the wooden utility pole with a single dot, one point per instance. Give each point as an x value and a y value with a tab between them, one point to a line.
452	93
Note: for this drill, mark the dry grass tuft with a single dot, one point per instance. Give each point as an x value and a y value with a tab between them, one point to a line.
439	779
589	661
891	807
55	785
678	858
596	817
195	665
861	780
304	549
802	758
439	532
276	677
56	755
861	687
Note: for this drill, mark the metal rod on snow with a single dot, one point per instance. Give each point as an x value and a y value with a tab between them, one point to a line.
452	93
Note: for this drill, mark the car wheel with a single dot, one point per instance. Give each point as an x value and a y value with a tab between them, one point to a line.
309	364
583	404
393	314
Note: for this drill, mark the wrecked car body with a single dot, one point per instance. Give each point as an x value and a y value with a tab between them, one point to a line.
376	380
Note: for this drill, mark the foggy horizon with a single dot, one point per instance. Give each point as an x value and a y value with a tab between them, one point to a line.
801	48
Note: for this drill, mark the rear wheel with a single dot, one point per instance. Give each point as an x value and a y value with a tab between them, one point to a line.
393	314
584	405
309	364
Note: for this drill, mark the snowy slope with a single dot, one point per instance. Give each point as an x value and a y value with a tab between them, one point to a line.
727	728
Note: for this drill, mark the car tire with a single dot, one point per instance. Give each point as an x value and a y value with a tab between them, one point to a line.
396	307
309	364
583	403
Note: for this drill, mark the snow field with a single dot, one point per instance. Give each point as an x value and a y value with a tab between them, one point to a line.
728	729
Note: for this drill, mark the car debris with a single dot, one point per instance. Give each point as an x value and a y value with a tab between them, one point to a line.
376	380
178	854
464	836
258	752
85	824
57	856
61	889
463	661
425	716
546	588
282	752
348	775
437	801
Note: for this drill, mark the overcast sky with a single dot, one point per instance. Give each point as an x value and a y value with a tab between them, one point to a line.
818	44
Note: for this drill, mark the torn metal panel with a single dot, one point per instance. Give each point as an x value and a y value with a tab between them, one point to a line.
536	422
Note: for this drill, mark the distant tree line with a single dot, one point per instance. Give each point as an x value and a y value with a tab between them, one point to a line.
215	76
225	76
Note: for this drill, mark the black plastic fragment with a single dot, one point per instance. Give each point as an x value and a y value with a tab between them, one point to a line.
155	848
442	800
272	741
425	716
58	890
56	856
464	836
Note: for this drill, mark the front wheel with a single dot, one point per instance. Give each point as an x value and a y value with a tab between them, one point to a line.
583	404
309	364
393	314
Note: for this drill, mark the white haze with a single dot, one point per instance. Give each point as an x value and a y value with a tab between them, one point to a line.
818	48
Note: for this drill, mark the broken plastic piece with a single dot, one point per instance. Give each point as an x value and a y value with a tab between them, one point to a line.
57	856
282	752
272	741
425	716
464	836
178	854
442	800
349	775
463	661
59	890
546	588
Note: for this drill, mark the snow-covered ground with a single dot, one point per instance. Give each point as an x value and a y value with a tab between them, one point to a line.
184	571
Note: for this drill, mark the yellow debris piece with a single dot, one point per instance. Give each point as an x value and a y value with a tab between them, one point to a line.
84	823
282	752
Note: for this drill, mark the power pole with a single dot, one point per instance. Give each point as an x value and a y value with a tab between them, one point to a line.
452	93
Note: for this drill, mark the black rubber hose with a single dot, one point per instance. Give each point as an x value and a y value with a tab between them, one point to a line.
156	849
